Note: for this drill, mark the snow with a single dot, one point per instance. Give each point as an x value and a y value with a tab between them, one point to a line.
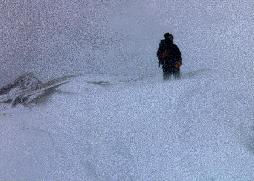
118	120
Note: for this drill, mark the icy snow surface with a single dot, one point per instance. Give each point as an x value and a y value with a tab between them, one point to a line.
118	120
111	129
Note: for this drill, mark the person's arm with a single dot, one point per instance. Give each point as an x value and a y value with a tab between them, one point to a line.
178	57
159	52
160	49
178	54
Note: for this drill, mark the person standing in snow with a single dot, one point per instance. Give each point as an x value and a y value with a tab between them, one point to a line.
169	57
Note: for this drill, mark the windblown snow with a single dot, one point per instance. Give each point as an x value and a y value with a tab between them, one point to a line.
116	119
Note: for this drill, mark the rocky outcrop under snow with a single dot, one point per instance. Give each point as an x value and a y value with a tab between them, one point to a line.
27	89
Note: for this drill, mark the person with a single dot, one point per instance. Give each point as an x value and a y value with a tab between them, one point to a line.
169	57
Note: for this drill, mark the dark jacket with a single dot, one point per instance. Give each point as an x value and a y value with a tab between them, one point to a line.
171	50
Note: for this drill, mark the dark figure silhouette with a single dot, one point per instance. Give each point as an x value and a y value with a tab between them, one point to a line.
169	57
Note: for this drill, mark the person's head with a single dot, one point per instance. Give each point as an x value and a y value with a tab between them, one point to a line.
169	37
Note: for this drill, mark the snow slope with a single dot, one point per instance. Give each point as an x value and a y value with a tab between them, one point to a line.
125	123
192	129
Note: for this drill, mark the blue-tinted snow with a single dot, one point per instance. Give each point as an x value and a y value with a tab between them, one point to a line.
119	120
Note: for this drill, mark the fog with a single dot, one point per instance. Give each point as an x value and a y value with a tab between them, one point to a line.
52	38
